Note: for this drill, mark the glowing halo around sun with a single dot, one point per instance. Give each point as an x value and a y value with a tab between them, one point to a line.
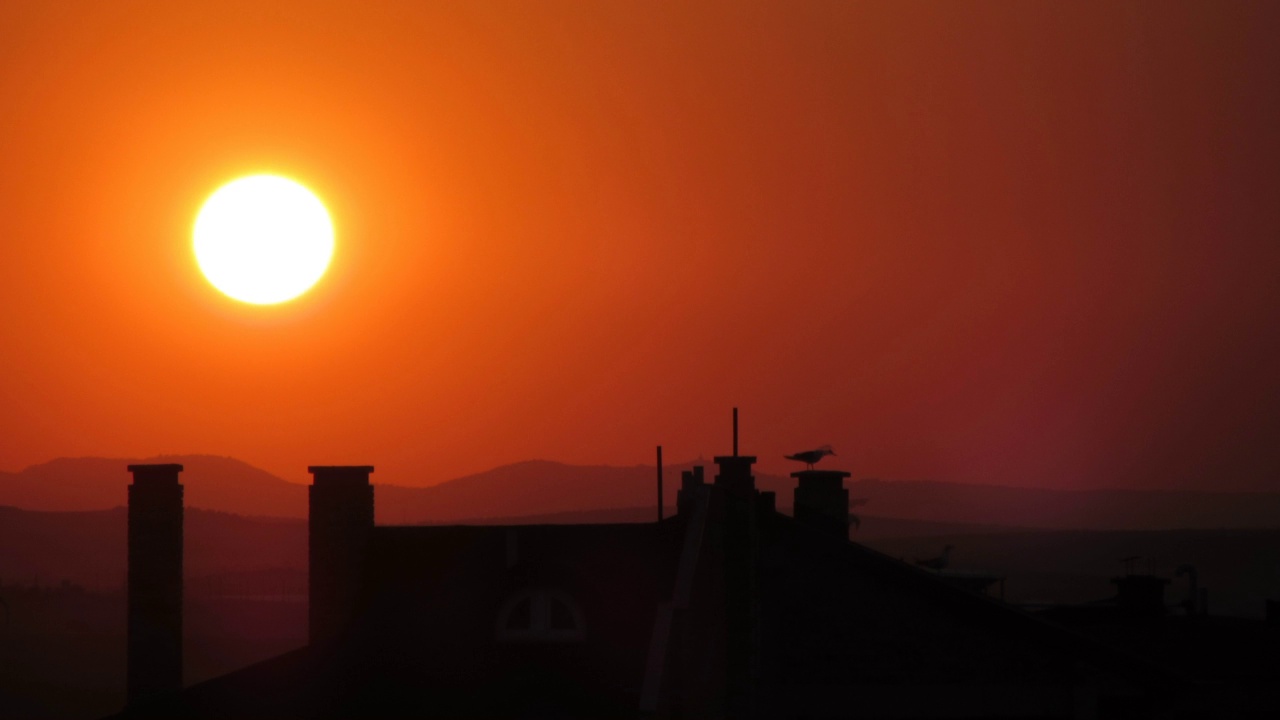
263	239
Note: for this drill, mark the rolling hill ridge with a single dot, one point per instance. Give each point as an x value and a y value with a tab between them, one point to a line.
546	488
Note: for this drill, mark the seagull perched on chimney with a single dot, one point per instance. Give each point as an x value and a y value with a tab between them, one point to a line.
809	457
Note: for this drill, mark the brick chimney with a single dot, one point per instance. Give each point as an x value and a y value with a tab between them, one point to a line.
340	523
154	655
822	502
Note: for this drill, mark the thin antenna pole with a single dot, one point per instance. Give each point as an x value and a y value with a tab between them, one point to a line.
735	432
659	483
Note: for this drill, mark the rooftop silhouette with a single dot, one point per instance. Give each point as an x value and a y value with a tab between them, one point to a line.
727	609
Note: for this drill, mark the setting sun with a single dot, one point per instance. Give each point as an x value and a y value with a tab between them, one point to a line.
263	239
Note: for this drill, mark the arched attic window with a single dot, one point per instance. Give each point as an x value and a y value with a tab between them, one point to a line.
540	615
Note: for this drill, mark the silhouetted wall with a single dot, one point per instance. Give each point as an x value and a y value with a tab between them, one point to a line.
341	520
154	664
691	482
1141	595
822	502
767	502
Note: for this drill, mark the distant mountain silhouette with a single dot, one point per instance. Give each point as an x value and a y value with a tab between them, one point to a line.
534	487
1076	566
211	482
1068	509
546	488
88	548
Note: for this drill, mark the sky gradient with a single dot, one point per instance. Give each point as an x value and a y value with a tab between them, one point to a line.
1024	243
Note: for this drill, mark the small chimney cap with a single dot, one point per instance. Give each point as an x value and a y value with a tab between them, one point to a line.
155	468
802	474
339	469
341	474
156	475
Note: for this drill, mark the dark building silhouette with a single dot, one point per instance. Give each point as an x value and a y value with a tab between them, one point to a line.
728	609
154	584
1139	597
1231	659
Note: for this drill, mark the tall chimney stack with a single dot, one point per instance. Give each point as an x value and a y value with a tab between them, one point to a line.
737	484
822	502
734	474
341	521
154	659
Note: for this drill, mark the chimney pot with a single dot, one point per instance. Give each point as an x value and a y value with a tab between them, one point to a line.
735	475
340	475
822	502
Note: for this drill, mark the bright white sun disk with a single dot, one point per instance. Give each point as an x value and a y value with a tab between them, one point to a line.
263	239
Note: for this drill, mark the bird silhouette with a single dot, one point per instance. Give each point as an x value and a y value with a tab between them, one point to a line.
938	563
809	457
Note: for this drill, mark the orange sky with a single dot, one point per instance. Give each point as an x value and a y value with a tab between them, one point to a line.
1018	242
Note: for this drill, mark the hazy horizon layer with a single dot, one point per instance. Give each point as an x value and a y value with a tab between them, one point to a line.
546	488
